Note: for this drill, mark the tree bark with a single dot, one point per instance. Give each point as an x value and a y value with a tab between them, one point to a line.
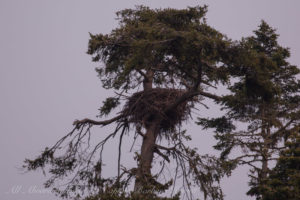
143	175
265	148
148	145
266	155
146	157
147	83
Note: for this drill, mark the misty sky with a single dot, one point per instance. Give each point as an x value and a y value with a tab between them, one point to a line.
47	80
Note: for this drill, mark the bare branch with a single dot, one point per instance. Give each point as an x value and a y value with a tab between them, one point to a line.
120	149
165	148
156	150
78	123
209	95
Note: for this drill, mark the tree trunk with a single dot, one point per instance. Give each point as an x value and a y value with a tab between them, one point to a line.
266	155
147	83
148	145
146	157
265	149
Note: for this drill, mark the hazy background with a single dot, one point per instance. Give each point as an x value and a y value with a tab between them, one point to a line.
47	80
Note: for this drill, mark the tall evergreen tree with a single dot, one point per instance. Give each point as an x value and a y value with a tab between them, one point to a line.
160	64
265	100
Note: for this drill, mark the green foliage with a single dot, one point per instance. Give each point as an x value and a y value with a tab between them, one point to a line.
222	124
263	97
109	104
284	179
171	41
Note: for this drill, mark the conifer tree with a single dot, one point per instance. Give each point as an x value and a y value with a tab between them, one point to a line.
264	99
160	63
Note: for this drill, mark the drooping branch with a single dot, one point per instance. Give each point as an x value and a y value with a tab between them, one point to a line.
191	164
120	148
78	123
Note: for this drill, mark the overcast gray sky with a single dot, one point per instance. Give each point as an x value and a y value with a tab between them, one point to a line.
47	80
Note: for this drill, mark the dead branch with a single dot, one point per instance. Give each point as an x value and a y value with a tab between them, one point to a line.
78	123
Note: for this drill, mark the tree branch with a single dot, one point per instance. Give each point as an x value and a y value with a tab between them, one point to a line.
190	94
211	96
139	131
142	73
156	150
78	123
165	148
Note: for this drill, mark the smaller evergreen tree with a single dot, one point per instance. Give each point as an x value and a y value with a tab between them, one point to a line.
262	109
284	180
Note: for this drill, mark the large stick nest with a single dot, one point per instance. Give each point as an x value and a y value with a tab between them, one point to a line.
146	106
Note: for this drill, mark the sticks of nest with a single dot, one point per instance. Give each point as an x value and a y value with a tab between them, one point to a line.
144	107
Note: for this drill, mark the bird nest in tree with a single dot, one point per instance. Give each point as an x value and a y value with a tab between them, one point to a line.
145	107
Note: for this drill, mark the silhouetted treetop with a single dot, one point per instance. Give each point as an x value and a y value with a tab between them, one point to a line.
171	43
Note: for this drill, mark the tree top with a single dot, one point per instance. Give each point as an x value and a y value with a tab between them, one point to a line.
170	43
